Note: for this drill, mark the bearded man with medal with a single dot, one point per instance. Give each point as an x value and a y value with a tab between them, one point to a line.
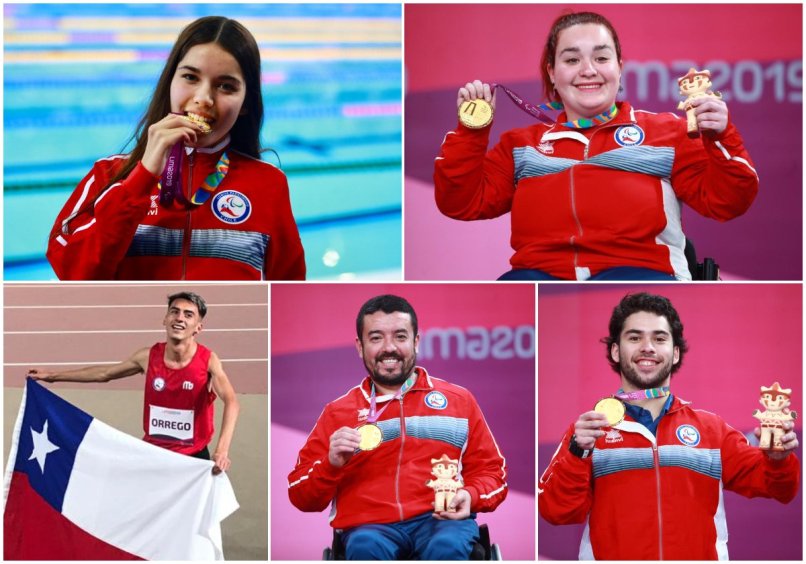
644	441
595	193
371	453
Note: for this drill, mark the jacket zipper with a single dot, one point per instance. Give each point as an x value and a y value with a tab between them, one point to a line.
656	461
187	233
576	220
660	512
574	211
400	458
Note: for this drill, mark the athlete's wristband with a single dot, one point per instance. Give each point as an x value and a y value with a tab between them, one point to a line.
577	450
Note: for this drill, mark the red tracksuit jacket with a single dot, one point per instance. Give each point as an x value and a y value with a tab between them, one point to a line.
660	498
245	231
583	201
388	484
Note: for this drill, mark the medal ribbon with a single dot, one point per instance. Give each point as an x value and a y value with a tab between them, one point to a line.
170	185
373	414
535	111
171	181
643	394
211	183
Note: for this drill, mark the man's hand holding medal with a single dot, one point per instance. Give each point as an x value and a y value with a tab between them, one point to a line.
343	444
588	428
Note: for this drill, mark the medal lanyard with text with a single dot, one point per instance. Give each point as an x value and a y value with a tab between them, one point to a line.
478	113
613	407
373	414
370	434
170	185
643	394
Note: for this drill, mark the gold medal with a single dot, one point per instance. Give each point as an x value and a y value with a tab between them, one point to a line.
200	121
476	114
612	408
371	436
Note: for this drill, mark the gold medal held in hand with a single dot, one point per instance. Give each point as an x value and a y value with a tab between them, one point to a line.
371	436
612	408
476	114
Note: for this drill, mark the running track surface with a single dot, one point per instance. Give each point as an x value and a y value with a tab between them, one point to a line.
55	326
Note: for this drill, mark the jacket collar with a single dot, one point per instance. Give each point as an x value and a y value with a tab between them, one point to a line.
678	403
626	115
218	147
423	382
631	426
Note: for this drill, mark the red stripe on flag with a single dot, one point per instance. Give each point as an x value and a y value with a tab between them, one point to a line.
33	530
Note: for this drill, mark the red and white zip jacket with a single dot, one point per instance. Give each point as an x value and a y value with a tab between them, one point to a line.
583	201
245	231
388	484
648	498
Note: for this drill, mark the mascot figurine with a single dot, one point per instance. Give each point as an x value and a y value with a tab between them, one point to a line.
446	483
776	401
695	84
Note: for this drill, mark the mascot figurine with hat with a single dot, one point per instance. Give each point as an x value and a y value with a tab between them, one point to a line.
776	401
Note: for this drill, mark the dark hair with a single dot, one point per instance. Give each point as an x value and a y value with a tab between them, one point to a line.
192	297
634	303
386	303
550	50
236	40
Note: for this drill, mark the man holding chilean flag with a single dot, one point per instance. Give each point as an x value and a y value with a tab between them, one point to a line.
77	489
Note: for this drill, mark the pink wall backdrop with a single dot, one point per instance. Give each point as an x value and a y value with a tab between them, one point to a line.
490	351
741	336
753	51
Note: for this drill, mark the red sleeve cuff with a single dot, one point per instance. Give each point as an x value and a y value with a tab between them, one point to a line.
330	471
474	495
140	180
783	463
140	169
483	131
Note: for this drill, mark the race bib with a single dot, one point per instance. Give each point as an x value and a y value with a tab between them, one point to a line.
171	423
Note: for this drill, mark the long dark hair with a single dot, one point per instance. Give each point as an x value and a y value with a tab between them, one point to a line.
235	39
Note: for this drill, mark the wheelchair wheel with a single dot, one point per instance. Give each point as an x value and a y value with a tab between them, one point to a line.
495	553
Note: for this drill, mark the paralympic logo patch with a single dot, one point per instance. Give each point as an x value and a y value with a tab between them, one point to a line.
436	400
159	384
688	435
629	135
231	207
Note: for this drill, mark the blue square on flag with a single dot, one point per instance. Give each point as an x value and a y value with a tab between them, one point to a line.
51	432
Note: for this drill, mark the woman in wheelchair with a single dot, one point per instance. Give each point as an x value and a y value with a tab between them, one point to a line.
597	194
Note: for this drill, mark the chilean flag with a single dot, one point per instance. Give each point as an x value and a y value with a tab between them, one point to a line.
77	489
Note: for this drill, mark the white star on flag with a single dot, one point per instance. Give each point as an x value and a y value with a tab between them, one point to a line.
42	446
